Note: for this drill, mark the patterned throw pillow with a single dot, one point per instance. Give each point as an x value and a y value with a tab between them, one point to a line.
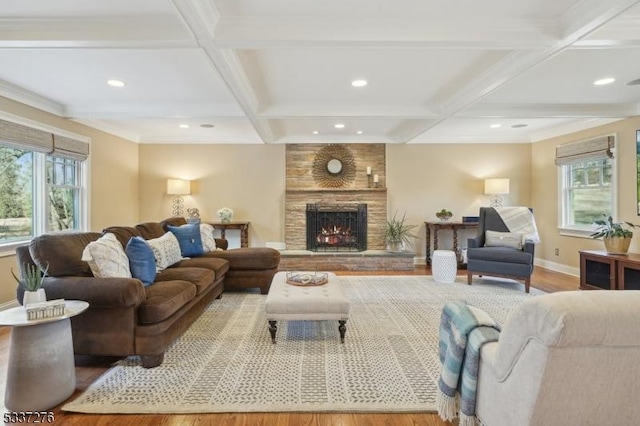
166	250
189	239
503	239
206	234
142	262
106	258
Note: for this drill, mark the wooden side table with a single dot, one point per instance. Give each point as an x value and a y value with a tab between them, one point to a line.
242	226
41	371
436	226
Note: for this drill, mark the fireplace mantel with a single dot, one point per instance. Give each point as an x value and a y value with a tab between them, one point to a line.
338	190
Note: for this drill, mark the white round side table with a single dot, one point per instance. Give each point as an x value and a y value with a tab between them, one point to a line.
444	266
41	371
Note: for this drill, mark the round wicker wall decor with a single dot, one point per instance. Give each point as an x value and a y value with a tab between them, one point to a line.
329	173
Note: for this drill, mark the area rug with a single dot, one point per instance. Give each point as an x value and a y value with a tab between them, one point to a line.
225	362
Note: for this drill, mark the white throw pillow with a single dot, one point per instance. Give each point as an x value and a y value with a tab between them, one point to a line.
166	250
107	258
206	234
503	239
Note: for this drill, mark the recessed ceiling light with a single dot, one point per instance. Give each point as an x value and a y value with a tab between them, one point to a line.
183	126
315	132
359	83
339	126
635	82
116	83
518	126
495	126
604	81
207	126
359	132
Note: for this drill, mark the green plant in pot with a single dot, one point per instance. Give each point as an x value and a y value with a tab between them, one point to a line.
398	233
616	235
31	278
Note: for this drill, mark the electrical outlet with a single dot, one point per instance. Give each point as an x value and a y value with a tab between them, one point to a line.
557	251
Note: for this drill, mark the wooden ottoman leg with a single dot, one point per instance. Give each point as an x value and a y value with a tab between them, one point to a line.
272	329
343	329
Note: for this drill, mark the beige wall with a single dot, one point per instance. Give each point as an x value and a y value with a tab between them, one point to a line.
423	179
247	178
545	192
113	180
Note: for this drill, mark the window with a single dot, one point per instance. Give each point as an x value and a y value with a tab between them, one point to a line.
42	184
587	183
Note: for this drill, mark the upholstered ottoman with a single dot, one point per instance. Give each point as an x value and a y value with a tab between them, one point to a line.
444	266
306	303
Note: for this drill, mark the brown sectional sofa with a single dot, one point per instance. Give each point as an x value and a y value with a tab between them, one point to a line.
124	317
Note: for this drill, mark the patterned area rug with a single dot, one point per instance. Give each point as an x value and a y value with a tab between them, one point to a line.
225	362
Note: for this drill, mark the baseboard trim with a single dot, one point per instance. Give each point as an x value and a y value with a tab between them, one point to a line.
557	267
8	305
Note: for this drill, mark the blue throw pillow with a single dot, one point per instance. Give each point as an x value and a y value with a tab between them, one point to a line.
189	239
142	262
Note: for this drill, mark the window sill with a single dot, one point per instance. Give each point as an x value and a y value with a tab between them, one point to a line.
9	249
576	233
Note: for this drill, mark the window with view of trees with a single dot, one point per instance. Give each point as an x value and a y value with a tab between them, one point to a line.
587	183
41	182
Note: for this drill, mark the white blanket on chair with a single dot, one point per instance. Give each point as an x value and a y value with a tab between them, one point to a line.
520	220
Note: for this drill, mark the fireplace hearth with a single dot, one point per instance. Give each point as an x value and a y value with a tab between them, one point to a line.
336	227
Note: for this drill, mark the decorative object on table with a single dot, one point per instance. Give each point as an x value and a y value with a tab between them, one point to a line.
397	233
470	219
495	188
49	309
178	187
334	166
307	278
616	235
30	280
225	214
444	214
193	216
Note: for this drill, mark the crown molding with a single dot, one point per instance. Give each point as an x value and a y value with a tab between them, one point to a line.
27	97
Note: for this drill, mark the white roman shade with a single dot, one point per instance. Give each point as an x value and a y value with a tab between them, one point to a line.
23	137
588	149
70	148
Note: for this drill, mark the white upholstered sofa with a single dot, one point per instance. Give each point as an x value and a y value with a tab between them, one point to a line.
569	358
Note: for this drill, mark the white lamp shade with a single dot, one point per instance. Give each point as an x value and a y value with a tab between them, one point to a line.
496	186
178	187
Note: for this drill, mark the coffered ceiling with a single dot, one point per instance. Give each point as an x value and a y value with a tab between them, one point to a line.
277	71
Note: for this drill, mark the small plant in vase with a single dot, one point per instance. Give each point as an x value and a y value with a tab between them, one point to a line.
616	235
31	278
397	233
225	214
444	214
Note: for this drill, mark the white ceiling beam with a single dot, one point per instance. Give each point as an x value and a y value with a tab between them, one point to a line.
547	111
157	109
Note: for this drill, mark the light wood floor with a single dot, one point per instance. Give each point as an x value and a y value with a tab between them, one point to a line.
88	369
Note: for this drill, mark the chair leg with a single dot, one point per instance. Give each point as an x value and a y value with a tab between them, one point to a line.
527	284
469	275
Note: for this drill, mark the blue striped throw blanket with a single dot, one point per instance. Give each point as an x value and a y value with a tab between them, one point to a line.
463	331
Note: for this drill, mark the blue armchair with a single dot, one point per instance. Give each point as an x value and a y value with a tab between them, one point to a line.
498	261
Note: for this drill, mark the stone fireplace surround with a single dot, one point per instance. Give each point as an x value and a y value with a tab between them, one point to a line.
302	189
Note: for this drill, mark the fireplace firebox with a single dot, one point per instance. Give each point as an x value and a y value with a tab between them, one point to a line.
336	227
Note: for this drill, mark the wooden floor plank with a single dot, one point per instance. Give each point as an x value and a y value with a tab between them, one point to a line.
89	369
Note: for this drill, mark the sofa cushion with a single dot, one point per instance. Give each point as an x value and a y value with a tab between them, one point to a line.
200	277
142	262
499	254
206	235
165	299
122	233
218	266
107	258
189	239
249	258
166	250
62	252
150	230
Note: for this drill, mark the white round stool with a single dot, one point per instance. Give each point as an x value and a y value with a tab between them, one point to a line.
444	266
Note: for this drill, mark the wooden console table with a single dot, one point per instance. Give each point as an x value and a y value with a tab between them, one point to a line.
600	270
242	226
436	226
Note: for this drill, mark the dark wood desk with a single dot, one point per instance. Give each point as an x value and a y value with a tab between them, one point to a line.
242	226
436	226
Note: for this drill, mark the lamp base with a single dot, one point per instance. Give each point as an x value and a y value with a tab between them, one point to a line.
495	201
177	206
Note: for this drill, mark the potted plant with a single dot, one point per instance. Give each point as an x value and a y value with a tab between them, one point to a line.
444	214
31	278
397	233
616	235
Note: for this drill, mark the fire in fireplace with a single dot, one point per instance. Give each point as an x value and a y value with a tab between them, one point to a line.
336	227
